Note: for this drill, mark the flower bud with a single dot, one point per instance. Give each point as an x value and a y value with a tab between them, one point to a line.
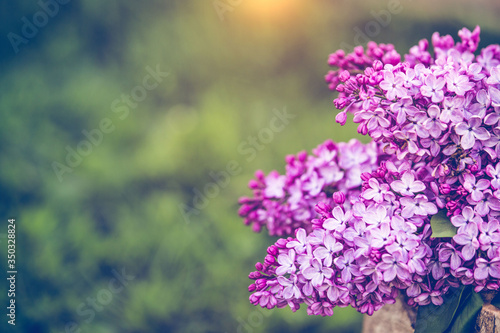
341	118
322	208
317	224
377	65
462	191
363	129
360	79
344	76
256	227
272	250
244	210
269	260
445	189
340	103
451	205
253	184
330	76
254	299
244	200
474	168
290	159
339	198
281	243
261	284
423	44
365	176
302	156
259	266
358	50
333	60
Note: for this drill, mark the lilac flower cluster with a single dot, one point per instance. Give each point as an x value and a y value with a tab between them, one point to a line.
364	256
436	122
358	60
445	114
360	256
284	203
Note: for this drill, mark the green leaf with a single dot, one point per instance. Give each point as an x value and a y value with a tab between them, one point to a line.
467	314
436	319
441	226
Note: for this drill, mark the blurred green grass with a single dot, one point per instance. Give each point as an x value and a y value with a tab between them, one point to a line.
121	207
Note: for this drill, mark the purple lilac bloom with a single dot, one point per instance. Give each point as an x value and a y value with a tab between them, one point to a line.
433	88
408	185
468	238
361	214
393	85
354	250
284	203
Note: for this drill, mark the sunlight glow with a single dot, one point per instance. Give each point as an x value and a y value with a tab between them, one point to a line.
268	9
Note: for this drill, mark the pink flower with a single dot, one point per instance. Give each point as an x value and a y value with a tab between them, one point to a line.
457	83
494	76
291	289
338	220
452	109
347	266
317	272
465	217
433	124
407	186
376	191
485	268
335	292
494	95
433	88
418	205
287	262
393	85
479	108
275	185
448	252
403	108
327	252
495	174
381	236
393	266
475	188
468	238
300	244
376	215
362	213
471	131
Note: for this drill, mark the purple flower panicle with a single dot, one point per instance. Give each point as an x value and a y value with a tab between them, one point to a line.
361	214
284	203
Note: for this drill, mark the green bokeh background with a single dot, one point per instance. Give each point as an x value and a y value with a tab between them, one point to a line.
121	207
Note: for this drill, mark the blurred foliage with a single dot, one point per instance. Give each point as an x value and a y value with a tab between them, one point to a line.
121	207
